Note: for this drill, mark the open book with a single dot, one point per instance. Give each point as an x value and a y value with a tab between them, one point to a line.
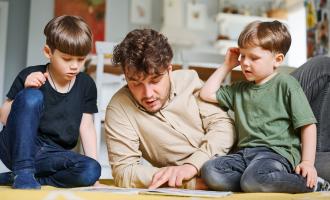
110	189
159	191
185	192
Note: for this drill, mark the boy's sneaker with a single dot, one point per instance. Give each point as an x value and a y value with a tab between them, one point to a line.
25	180
6	178
322	185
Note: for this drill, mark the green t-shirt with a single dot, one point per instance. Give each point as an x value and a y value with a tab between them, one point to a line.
269	114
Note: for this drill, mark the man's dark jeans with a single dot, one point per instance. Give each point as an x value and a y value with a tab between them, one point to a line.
22	149
257	169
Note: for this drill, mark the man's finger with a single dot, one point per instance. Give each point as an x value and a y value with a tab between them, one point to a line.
159	182
178	182
157	175
172	180
157	178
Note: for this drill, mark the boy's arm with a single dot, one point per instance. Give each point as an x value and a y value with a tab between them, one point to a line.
306	167
88	135
209	90
88	138
5	110
34	79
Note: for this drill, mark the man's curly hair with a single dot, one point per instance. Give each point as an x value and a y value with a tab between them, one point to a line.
144	50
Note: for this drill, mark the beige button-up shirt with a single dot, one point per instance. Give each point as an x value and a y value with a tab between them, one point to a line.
185	130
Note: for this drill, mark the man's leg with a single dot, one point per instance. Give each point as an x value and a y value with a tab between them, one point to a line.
314	77
59	167
270	172
19	136
224	173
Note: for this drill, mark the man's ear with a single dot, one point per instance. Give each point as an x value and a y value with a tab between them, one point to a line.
47	51
279	58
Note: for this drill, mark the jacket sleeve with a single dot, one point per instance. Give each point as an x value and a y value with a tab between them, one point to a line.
123	151
219	132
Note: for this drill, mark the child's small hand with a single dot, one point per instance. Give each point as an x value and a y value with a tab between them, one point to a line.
35	80
307	170
231	59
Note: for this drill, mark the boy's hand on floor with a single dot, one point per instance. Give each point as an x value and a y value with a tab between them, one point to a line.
308	171
35	80
98	184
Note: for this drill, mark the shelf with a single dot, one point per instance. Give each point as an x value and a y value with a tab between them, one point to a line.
232	24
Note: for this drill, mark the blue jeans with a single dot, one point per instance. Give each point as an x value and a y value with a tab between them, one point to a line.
314	78
22	149
257	169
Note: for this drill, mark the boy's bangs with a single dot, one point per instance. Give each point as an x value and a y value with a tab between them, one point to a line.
74	45
248	41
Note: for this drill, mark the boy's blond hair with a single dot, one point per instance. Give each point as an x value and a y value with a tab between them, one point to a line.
69	34
273	36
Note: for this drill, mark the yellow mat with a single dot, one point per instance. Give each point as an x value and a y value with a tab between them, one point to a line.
52	193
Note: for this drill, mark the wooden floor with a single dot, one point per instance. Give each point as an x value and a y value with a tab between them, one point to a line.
52	193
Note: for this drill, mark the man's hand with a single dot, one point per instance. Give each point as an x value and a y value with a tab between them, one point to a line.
308	171
173	176
35	80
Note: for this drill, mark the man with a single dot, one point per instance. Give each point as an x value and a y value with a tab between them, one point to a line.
160	117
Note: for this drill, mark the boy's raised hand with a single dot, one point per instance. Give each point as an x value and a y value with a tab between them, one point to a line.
231	59
35	80
308	171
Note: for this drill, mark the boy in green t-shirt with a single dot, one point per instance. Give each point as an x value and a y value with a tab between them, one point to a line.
274	121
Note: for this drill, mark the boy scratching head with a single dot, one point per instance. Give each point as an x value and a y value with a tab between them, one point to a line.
262	48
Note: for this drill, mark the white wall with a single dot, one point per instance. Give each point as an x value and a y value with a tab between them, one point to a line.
16	39
41	12
297	54
117	24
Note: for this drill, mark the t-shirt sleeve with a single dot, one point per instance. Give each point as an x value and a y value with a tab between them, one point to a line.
18	84
90	97
301	112
225	96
